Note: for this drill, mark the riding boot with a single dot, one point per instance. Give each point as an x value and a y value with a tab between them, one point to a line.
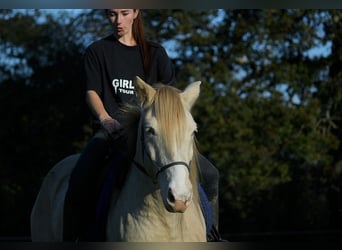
80	199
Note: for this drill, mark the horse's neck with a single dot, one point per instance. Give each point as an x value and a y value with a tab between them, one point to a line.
144	193
140	185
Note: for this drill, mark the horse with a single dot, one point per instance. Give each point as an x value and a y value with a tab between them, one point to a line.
159	200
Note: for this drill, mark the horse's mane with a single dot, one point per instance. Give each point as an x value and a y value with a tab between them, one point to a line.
166	105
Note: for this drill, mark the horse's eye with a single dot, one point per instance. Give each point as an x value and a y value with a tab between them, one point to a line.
150	131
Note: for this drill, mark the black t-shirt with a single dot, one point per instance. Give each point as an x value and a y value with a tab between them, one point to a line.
110	69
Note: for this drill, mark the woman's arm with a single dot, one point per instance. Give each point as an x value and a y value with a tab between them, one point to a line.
98	110
96	106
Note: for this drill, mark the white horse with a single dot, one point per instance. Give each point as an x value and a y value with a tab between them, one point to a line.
159	201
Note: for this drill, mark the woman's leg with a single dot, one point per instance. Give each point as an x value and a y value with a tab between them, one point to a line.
80	199
209	179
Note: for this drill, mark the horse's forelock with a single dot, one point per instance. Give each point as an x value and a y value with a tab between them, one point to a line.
170	115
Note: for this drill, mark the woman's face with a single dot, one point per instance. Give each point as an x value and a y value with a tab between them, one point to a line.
122	20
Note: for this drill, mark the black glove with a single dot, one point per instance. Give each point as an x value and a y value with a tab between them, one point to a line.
112	126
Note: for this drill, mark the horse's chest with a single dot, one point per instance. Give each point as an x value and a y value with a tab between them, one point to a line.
143	218
139	225
147	226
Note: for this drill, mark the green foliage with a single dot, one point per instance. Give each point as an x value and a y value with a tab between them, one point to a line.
269	114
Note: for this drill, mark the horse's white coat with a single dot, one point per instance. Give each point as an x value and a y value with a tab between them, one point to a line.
47	212
140	213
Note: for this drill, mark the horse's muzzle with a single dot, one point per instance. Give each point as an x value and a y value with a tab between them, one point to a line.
176	205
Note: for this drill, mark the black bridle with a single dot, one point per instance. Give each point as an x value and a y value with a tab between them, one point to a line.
161	168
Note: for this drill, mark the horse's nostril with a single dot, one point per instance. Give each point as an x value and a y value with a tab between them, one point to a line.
176	203
170	196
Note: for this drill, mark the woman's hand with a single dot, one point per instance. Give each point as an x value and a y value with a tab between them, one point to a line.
111	125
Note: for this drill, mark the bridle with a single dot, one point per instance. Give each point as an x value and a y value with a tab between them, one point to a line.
161	168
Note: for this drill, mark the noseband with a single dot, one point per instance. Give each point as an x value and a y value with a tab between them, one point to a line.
162	168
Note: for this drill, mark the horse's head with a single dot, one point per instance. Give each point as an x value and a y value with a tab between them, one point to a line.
165	143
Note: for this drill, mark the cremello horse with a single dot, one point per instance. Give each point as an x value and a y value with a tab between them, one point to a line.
159	200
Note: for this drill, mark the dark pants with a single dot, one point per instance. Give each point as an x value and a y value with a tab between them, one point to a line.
83	191
209	180
80	199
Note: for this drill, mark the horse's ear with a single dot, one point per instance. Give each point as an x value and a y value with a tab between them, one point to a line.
191	93
144	91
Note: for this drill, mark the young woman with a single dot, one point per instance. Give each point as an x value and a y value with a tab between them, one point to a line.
110	66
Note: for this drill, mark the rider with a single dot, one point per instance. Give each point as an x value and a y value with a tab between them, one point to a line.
110	66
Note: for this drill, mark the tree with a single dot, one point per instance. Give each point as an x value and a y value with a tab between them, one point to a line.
41	101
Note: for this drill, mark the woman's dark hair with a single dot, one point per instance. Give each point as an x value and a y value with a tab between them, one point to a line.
139	36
